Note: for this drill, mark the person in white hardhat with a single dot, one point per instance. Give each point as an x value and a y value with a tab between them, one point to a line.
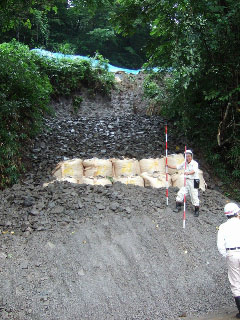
192	183
228	243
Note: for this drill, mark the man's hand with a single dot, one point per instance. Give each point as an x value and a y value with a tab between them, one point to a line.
189	173
172	167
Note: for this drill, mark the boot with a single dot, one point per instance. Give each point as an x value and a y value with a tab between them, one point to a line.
196	212
178	207
237	300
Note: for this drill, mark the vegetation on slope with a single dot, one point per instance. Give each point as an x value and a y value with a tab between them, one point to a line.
27	82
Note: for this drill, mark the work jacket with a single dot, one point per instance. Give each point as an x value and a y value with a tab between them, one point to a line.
192	166
228	238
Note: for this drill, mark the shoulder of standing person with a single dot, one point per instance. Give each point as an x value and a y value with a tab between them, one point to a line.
194	161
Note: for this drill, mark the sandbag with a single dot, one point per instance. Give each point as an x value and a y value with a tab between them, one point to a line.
174	160
70	168
97	167
96	181
155	180
178	179
125	167
152	165
135	180
57	171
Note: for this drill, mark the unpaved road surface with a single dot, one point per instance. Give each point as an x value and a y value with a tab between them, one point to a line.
116	252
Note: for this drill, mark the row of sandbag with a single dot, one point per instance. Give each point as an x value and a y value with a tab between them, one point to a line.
145	172
114	167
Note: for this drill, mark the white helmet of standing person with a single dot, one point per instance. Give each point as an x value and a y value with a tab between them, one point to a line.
231	209
188	152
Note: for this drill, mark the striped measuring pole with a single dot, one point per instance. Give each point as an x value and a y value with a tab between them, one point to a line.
166	165
184	203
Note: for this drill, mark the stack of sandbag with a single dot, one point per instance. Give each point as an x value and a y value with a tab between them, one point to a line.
135	180
178	179
155	180
69	169
96	181
97	167
125	167
152	165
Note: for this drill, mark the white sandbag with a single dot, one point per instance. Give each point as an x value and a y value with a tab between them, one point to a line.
135	180
57	171
125	167
152	165
174	160
155	180
178	179
70	168
162	165
96	181
97	167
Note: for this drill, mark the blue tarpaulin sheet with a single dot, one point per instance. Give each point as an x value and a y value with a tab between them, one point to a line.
94	62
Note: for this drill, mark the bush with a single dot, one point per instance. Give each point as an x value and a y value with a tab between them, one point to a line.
24	96
68	76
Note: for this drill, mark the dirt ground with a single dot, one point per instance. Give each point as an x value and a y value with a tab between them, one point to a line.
117	252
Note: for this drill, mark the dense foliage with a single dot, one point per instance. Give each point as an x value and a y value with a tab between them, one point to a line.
199	42
24	98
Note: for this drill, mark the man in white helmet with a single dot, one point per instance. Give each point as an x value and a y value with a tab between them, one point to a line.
191	174
228	243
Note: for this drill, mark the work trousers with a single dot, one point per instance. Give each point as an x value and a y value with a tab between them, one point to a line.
233	263
188	189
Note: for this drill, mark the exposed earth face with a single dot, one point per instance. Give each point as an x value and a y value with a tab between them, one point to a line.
73	251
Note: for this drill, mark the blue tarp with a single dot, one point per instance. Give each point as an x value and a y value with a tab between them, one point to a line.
94	62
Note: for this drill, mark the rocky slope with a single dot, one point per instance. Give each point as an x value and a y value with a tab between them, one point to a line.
89	252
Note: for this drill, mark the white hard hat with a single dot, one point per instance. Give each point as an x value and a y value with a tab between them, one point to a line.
188	151
231	209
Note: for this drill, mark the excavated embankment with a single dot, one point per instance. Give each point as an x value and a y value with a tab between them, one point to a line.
73	251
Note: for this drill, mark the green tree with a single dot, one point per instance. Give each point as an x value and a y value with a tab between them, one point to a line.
86	28
77	26
14	13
